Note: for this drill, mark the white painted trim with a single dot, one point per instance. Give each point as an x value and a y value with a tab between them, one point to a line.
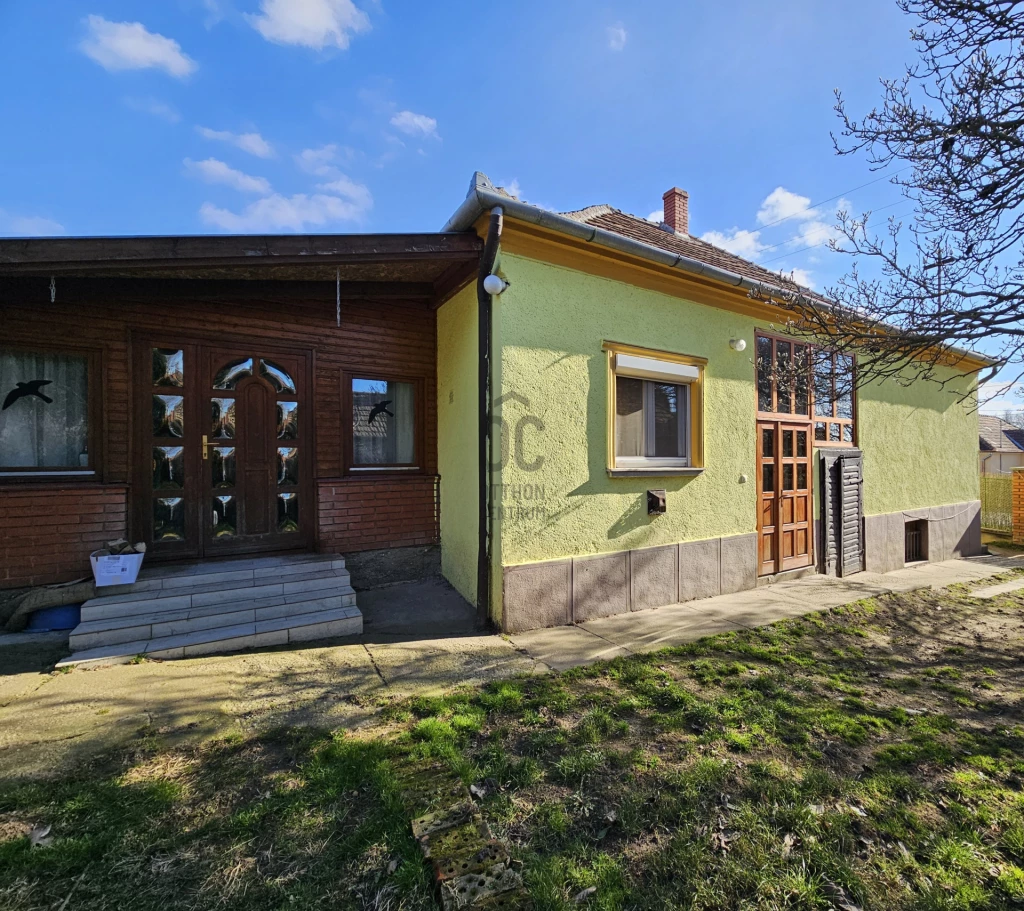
650	368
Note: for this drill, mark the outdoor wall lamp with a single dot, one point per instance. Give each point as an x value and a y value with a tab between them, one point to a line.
738	344
494	284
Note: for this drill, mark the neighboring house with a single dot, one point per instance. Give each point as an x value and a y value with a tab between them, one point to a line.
1001	444
596	439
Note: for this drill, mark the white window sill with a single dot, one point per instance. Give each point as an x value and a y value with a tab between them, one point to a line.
680	471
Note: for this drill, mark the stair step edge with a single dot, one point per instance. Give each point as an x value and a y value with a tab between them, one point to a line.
243	563
285	614
321	624
122	606
171	585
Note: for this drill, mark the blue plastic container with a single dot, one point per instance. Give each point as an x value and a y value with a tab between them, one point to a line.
67	616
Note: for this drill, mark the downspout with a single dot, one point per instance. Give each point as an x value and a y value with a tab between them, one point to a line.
485	428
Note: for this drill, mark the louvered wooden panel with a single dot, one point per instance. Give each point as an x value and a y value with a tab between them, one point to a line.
852	539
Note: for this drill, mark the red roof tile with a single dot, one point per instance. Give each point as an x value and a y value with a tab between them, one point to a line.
640	229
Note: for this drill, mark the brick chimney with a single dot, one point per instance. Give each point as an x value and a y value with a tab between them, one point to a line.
677	210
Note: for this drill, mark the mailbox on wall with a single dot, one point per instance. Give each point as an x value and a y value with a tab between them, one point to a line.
655	502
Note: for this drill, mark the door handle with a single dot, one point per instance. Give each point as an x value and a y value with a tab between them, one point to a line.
206	447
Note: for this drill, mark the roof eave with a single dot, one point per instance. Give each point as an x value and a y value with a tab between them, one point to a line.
64	254
483	196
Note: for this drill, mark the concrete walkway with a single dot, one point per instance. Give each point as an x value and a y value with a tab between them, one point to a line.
644	631
418	638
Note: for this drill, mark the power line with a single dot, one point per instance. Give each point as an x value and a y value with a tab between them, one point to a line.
837	196
823	242
790	240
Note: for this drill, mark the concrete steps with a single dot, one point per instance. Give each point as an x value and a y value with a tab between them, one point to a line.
205	608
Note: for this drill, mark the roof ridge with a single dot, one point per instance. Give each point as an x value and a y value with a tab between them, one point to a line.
601	208
591	213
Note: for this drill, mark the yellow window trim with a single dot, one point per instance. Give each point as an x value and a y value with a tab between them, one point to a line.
696	396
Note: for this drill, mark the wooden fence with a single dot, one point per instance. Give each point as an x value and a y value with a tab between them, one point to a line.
997	503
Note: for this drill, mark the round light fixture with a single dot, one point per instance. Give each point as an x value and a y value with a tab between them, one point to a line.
494	284
738	344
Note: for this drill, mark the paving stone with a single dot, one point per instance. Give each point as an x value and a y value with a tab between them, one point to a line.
994	591
468	891
461	839
513	900
444	819
475	859
426	792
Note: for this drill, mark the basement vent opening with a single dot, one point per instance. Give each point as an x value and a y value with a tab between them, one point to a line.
916	536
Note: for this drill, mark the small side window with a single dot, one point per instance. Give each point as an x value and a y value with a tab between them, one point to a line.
655	418
384	423
45	420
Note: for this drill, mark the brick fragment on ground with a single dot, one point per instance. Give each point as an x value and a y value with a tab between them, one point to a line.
469	890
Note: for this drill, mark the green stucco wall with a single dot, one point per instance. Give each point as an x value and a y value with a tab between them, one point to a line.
920	444
457	439
555	495
557	499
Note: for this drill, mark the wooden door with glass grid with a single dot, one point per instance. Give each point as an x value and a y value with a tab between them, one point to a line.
785	521
225	461
784	450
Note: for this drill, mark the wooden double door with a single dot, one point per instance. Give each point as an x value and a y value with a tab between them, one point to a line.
224	460
785	522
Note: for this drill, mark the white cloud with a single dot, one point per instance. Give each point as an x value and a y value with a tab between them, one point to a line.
801	277
155	107
310	23
321	163
658	216
782	204
129	46
512	188
215	12
318	161
213	171
996	397
617	36
12	225
286	213
738	241
356	193
252	143
415	124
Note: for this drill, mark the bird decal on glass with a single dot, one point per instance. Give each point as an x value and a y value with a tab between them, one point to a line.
32	387
378	409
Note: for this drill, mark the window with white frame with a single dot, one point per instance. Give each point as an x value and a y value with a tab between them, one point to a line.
655	412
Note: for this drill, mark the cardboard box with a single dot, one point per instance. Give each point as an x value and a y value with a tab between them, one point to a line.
120	569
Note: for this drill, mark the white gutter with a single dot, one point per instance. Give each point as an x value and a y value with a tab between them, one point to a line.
483	196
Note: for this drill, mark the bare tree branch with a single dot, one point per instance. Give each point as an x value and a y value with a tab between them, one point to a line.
954	276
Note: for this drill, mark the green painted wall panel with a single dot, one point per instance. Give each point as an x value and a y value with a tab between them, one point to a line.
920	444
457	439
556	498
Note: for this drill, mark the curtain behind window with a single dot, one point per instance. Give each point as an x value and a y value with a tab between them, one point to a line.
390	438
33	433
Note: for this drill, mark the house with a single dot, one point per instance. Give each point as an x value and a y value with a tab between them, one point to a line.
601	429
1001	444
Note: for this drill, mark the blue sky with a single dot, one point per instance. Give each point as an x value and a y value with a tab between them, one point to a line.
204	116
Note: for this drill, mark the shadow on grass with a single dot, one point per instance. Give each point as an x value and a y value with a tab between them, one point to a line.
298	819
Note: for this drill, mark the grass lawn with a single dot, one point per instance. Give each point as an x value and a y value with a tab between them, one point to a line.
869	757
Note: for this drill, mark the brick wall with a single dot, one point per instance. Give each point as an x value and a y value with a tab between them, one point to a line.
366	514
1018	505
47	533
115	316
